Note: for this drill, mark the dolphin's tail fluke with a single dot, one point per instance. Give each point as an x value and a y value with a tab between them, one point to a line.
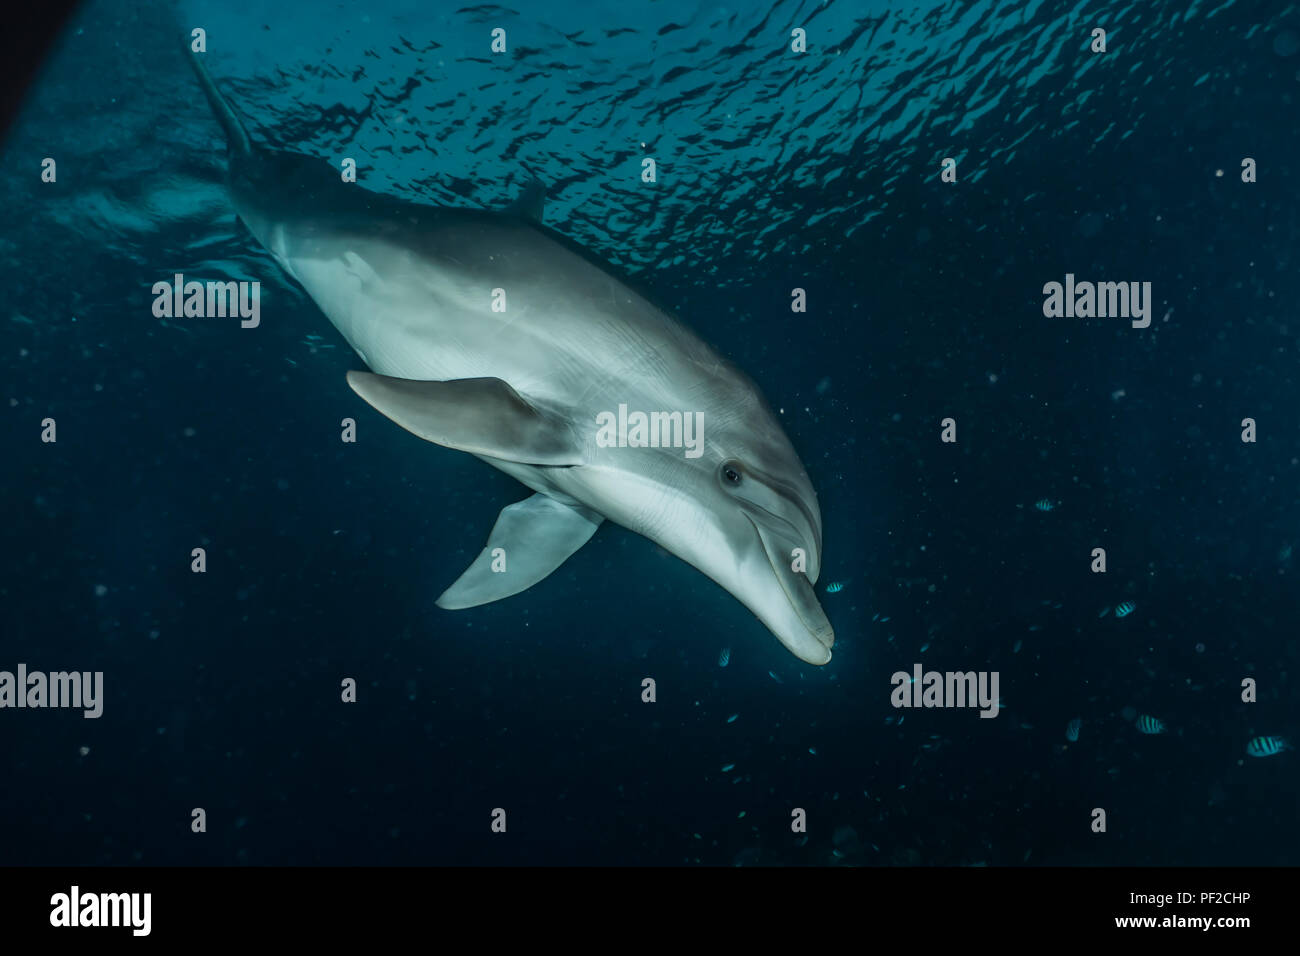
237	140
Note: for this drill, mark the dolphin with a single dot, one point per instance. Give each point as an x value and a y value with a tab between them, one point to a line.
492	334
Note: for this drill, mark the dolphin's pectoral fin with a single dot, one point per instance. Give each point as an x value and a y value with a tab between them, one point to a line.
530	202
483	416
531	539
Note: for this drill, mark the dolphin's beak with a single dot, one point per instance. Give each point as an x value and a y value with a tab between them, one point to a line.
798	622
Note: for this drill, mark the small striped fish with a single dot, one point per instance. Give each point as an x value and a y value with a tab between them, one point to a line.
835	587
1072	730
1125	608
1149	725
1266	746
1044	504
724	657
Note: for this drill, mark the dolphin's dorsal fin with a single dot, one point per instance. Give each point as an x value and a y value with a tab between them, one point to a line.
237	141
483	416
531	539
530	203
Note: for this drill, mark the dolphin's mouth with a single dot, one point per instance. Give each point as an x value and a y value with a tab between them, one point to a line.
782	493
798	590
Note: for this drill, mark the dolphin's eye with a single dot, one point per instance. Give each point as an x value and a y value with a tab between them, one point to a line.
731	473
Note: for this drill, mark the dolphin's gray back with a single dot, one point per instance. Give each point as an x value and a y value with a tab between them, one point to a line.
412	287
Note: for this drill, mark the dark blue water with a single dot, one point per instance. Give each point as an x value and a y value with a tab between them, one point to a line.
777	171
